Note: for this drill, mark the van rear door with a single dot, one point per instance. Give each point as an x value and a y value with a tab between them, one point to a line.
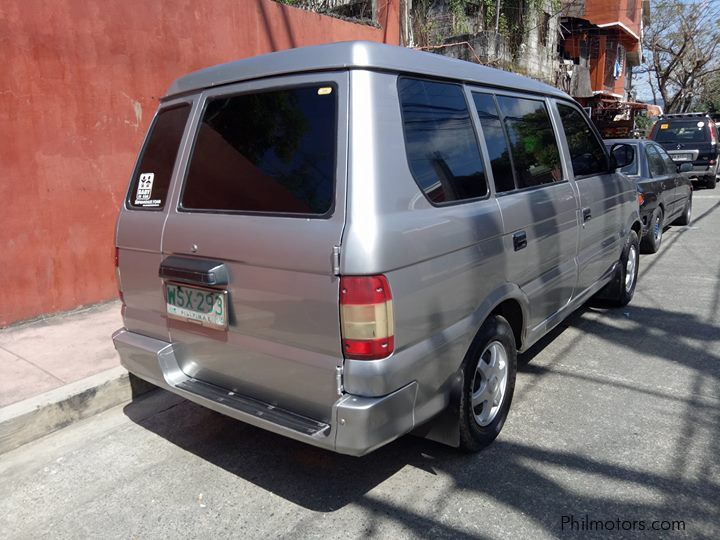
248	245
142	217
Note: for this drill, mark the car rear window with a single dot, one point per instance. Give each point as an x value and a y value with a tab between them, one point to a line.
440	143
151	179
269	152
685	131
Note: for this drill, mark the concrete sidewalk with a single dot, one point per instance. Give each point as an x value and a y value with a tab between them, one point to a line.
60	369
48	353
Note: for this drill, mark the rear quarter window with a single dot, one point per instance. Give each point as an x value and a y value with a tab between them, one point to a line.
266	152
151	179
442	151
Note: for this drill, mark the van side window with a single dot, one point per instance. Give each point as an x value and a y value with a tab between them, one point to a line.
495	141
269	152
586	152
151	179
533	145
440	143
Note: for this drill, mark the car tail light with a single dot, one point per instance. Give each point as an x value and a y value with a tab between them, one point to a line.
366	317
641	199
654	130
117	274
713	137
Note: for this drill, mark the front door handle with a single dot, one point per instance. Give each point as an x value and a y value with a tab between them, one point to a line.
519	240
587	214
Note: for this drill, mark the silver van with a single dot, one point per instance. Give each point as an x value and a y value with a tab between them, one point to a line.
346	243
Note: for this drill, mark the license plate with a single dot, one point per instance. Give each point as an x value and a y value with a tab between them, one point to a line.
207	307
682	157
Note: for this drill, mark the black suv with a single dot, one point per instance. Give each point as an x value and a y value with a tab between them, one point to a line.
690	138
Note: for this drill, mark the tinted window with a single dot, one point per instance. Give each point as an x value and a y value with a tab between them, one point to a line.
265	152
586	152
533	145
495	141
149	186
684	131
670	167
442	151
632	167
655	162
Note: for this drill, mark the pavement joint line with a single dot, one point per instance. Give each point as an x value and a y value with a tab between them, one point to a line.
61	381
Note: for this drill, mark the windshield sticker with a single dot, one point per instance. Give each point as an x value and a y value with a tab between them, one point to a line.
144	191
324	91
664	126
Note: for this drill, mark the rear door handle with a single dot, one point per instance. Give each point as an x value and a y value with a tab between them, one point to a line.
194	271
587	214
519	240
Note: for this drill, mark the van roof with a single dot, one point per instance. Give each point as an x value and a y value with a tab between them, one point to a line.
354	54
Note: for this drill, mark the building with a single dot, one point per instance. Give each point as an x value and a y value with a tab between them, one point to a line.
602	43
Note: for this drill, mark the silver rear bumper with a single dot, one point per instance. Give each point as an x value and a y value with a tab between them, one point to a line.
358	425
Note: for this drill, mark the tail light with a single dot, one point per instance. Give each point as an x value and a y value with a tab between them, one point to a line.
366	317
654	130
641	199
713	137
117	274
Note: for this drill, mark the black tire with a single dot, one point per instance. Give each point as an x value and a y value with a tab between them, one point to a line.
617	293
711	182
651	240
480	424
686	217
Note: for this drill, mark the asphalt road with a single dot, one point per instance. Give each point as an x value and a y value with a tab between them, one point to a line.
616	417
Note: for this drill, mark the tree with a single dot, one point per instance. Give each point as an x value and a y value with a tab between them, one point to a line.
682	48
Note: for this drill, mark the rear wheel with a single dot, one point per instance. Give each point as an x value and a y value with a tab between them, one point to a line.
710	182
621	289
488	384
653	238
686	216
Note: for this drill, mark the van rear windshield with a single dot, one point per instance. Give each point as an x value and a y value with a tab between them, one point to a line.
690	131
150	182
270	152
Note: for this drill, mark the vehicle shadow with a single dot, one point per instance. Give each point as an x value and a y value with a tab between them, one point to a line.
506	473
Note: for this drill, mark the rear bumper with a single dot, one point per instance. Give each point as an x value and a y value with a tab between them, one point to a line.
702	171
358	424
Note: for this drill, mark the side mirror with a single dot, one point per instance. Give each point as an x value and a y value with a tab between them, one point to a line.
685	167
621	155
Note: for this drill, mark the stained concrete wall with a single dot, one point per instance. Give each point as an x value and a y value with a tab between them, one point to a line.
79	84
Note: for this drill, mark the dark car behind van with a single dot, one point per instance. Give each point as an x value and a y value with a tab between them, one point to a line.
690	138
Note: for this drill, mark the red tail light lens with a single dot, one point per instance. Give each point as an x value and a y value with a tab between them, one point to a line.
654	130
366	317
713	138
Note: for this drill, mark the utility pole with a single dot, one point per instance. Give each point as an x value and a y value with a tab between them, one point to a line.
497	16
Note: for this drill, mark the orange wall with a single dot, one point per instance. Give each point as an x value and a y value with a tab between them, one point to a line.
609	11
79	84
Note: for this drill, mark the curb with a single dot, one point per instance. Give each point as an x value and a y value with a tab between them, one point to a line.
25	421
